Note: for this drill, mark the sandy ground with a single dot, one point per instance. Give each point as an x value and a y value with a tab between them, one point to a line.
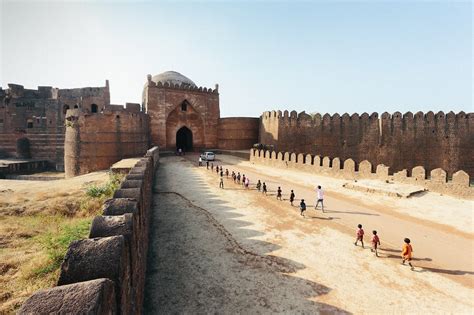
236	251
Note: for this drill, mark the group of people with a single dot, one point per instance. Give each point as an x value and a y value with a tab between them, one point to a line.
407	249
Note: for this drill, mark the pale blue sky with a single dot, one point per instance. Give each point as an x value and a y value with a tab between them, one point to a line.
318	56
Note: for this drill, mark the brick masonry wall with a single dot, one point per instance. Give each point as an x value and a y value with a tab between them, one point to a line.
38	115
237	133
96	141
105	274
399	141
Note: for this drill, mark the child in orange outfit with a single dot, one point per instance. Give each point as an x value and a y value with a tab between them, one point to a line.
359	235
407	250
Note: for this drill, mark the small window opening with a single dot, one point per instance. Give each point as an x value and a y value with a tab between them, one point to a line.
76	106
65	108
184	106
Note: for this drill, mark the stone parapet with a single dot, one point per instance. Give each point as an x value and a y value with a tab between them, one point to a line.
105	274
349	169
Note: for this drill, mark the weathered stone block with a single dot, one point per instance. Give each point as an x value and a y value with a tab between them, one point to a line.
438	176
88	297
461	178
97	258
365	169
418	173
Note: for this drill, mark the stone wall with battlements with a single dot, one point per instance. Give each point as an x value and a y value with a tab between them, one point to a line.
435	180
401	141
94	141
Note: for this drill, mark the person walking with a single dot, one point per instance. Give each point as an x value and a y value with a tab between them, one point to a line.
320	198
292	197
221	182
238	178
302	207
264	188
200	161
279	193
407	251
259	185
217	170
359	235
247	183
227	173
207	164
212	167
243	179
375	242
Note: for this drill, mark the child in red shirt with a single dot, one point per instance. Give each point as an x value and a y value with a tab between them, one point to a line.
359	235
375	243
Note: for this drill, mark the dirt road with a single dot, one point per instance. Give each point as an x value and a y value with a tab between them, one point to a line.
233	250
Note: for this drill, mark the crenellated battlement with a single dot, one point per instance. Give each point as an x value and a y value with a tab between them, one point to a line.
399	140
435	180
186	87
315	119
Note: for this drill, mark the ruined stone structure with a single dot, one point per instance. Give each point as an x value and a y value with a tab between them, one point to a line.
39	116
400	141
175	113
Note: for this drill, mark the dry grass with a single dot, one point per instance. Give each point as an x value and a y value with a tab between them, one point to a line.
38	220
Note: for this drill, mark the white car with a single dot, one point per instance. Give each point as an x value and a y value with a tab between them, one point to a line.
208	156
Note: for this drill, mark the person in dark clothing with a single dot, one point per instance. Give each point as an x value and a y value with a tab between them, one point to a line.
279	193
302	207
226	172
207	164
292	197
264	188
259	185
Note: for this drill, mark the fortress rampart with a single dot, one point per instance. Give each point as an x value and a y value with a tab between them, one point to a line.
235	133
96	141
436	180
401	141
105	274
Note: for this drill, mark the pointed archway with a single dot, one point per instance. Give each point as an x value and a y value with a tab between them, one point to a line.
184	139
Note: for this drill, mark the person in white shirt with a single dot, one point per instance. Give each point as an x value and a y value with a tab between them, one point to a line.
200	161
319	192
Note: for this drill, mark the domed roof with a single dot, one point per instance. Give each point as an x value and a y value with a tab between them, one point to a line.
172	77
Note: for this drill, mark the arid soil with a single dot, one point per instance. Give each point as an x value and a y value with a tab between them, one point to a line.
237	251
29	212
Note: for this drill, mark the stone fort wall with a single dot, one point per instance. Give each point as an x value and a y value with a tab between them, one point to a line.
237	133
96	141
38	115
399	141
436	180
105	274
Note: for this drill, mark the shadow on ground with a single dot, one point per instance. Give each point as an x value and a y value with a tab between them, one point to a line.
196	265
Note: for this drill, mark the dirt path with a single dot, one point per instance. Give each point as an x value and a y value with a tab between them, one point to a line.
233	251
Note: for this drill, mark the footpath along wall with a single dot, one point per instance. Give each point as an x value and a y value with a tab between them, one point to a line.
105	274
348	169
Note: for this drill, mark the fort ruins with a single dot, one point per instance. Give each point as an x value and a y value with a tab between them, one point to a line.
79	131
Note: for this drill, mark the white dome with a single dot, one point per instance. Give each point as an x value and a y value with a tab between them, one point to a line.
172	77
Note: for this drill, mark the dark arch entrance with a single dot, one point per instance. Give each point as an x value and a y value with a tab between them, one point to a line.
184	139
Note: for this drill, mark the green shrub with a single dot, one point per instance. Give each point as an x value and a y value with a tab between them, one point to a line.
106	190
56	244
